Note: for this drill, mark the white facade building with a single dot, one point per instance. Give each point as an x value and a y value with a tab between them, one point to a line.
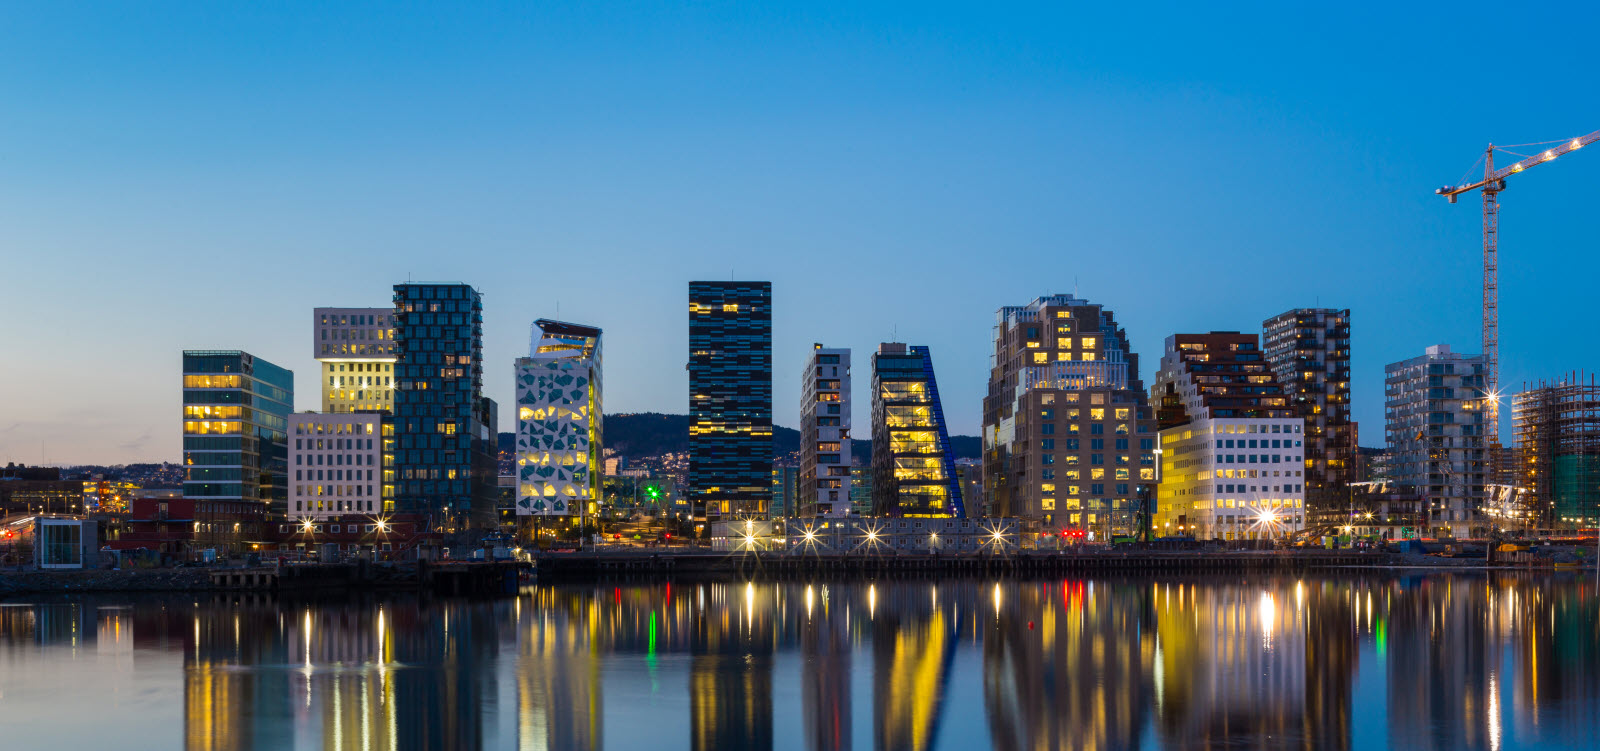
825	457
356	348
1232	478
335	464
559	449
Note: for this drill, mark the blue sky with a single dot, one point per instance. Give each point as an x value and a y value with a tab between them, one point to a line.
201	175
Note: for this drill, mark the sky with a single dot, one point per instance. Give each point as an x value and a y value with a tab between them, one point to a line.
202	175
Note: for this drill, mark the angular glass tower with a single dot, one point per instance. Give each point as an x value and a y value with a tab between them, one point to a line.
559	457
235	417
913	465
730	399
445	443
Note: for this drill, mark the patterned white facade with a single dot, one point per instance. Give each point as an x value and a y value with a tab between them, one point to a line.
559	453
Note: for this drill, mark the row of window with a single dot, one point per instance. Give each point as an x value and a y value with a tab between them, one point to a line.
1254	458
333	474
336	460
1293	488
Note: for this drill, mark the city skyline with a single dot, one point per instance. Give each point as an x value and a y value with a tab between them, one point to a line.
943	151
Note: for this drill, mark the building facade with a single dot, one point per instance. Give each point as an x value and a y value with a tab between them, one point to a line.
356	350
1232	443
913	463
1068	433
560	449
235	416
825	433
445	443
730	399
336	463
1558	439
1309	351
1437	416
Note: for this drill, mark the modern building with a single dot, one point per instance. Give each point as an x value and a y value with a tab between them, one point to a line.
730	399
445	429
1437	422
785	493
1068	433
1309	351
913	464
337	463
235	416
861	490
560	449
1558	438
356	350
1232	443
825	433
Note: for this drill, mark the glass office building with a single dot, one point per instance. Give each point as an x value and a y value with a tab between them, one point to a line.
235	417
445	443
913	465
730	399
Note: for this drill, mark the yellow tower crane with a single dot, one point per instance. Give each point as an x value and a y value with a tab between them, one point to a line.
1494	181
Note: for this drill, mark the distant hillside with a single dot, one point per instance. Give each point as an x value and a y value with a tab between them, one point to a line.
653	434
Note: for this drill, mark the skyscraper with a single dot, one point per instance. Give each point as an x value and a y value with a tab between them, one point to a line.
1438	413
913	464
730	399
559	448
445	442
825	434
356	349
235	416
1232	445
1309	351
1068	435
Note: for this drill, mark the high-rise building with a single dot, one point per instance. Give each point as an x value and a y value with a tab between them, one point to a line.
1309	351
1232	461
1437	418
356	349
825	433
336	464
235	449
1068	433
559	420
1558	439
730	399
445	443
913	464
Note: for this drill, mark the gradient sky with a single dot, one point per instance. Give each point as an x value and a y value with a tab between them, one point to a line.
201	175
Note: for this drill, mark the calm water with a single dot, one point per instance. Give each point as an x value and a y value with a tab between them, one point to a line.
1415	662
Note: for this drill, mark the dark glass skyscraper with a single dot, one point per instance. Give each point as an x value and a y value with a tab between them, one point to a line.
445	443
235	413
913	465
730	399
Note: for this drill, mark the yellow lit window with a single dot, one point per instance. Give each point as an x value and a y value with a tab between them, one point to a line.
1072	490
1048	487
1040	358
729	308
1148	473
1047	504
1089	342
1097	414
1072	474
1064	356
1122	474
1088	356
1122	413
1063	314
1097	474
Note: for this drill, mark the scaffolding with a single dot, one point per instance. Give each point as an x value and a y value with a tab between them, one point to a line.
1557	426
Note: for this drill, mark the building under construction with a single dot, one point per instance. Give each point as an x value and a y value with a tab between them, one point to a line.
1558	439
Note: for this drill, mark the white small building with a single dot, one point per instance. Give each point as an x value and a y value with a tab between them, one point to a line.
825	457
65	543
335	464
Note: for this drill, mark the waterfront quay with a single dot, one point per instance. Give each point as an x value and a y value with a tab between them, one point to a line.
758	564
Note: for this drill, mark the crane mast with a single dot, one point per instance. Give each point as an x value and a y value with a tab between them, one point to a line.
1492	183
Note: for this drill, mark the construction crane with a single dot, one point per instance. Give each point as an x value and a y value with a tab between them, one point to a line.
1494	181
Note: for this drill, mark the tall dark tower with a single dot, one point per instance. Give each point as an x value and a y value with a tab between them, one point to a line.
730	399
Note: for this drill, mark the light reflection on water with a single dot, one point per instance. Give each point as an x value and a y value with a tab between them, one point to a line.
1433	661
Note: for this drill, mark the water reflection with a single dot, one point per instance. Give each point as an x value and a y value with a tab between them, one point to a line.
1425	662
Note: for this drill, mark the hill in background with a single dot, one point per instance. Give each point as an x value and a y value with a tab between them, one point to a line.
653	434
